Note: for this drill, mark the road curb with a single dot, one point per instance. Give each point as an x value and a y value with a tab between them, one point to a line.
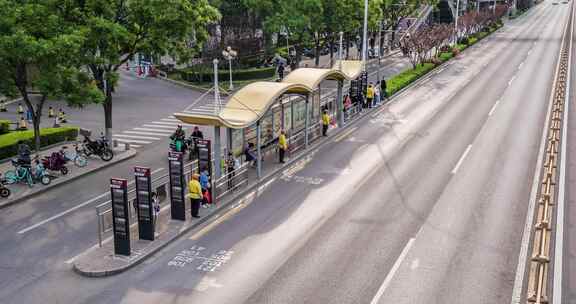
56	183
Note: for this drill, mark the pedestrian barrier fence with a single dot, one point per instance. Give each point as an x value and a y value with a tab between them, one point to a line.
230	182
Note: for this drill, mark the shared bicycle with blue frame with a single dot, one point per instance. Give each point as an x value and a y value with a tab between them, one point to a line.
22	173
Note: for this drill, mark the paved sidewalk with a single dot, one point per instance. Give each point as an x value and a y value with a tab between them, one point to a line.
21	192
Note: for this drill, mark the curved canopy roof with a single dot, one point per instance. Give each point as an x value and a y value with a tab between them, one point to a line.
247	105
251	102
313	77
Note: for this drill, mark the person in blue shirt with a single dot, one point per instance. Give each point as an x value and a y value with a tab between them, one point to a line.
205	184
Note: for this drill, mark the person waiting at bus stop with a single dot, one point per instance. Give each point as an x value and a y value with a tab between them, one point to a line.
282	146
325	123
195	193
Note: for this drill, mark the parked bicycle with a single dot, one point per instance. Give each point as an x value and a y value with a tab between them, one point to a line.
78	158
22	173
4	191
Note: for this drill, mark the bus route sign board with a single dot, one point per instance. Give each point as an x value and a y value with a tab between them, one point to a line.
177	186
144	203
120	216
204	155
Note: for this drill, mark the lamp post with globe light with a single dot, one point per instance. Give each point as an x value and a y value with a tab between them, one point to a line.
230	54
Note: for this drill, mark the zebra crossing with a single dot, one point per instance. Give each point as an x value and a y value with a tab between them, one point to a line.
150	132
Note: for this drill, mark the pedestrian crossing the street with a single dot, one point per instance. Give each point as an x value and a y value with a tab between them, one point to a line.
150	132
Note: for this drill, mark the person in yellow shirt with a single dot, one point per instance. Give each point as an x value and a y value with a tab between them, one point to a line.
325	123
195	193
282	146
369	96
22	124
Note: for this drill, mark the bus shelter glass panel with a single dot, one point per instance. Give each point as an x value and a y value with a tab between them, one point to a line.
237	141
315	114
267	129
277	119
250	134
299	114
287	116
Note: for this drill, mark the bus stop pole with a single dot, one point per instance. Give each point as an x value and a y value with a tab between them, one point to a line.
340	105
217	152
306	121
259	149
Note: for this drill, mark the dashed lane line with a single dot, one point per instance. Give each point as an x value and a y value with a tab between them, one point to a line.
461	160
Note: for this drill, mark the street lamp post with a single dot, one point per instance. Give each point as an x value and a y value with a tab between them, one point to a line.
340	51
229	54
365	36
379	48
216	88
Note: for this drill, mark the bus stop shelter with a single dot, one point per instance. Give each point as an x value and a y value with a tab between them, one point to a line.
257	112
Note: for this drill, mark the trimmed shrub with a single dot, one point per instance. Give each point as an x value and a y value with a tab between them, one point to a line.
463	40
48	136
5	126
244	74
445	56
405	78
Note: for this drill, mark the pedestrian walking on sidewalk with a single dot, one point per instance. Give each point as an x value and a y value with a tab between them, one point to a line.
20	109
369	95
282	146
383	93
281	71
195	193
51	112
325	123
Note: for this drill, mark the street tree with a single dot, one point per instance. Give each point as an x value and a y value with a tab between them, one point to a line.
38	53
117	30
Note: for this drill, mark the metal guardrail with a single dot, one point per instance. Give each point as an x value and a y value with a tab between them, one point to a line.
539	271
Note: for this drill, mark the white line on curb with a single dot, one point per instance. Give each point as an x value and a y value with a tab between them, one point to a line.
461	159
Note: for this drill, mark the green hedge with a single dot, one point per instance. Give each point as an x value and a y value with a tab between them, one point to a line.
5	126
48	136
223	75
405	78
445	56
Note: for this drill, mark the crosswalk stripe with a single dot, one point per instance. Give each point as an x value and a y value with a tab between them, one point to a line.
153	130
132	141
135	146
167	123
170	119
137	137
162	126
146	133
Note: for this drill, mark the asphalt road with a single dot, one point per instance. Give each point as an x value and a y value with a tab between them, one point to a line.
425	202
41	234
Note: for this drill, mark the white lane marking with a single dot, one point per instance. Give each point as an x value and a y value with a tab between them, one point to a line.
132	141
530	52
61	214
461	159
135	146
171	119
511	80
160	131
136	136
163	126
392	272
494	108
520	66
559	244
